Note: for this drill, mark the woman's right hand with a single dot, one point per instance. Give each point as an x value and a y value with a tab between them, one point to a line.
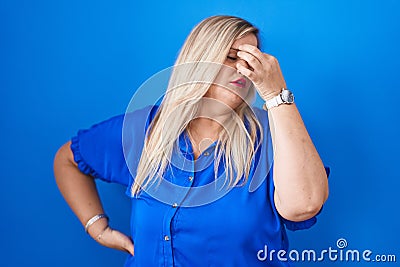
115	239
80	192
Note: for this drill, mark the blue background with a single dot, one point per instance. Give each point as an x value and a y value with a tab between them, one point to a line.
66	65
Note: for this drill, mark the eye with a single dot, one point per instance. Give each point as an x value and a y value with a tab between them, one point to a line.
231	58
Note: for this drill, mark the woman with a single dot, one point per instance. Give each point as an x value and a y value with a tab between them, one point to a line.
203	133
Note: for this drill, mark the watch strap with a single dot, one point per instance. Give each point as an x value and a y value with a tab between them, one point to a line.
273	102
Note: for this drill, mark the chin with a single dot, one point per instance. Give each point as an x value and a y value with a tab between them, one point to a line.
233	103
226	97
232	100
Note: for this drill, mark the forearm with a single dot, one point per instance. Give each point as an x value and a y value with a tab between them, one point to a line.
78	189
300	180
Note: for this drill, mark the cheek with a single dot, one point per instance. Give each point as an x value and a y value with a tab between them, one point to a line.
225	78
230	65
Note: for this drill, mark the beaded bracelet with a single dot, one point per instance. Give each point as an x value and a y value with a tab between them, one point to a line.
94	219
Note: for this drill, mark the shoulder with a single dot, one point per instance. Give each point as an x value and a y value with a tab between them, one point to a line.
141	117
135	125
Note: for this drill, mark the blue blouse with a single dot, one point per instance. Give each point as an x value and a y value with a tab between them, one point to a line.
189	219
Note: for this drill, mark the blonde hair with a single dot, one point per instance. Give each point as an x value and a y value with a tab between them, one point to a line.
200	59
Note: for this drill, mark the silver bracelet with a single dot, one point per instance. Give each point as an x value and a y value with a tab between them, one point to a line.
94	219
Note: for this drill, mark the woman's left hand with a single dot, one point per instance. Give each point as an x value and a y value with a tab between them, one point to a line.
262	69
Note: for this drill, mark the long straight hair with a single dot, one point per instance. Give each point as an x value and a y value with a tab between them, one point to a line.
200	59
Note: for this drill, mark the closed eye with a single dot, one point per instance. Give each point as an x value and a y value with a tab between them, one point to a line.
231	58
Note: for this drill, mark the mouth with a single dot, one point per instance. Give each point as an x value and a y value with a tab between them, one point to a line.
241	82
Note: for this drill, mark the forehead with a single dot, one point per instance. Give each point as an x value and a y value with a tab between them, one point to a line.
250	39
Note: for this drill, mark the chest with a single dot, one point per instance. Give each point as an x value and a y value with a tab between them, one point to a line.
238	211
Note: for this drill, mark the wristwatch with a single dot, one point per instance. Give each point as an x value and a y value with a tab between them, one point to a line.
285	97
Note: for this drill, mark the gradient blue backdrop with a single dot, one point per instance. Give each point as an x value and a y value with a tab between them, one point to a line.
68	64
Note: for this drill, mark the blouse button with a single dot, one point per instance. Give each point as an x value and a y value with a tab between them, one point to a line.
166	238
190	178
175	205
206	154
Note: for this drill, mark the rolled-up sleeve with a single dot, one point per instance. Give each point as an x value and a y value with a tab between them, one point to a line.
98	151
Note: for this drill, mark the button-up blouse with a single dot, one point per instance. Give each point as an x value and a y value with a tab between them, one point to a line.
191	217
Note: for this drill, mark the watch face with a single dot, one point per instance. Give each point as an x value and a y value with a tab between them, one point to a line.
287	96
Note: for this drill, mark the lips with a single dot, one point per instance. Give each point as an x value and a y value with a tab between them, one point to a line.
241	82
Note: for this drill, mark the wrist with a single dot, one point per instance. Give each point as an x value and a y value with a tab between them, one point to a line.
96	224
100	235
270	95
98	228
284	97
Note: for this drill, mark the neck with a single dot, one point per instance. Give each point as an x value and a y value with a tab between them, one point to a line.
205	128
203	132
210	117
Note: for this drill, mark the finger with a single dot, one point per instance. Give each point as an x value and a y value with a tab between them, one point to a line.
252	50
124	242
253	62
114	239
245	71
130	248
